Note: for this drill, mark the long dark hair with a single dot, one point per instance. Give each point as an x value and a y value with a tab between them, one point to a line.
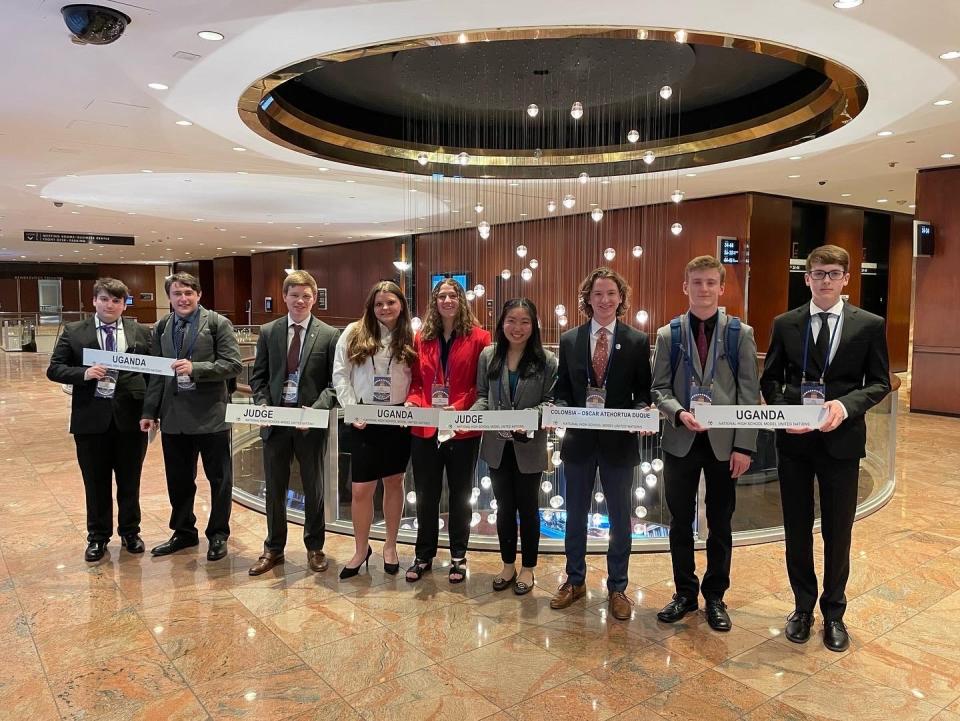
365	339
533	359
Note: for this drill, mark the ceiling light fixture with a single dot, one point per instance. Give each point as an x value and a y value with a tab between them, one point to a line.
239	149
847	4
884	133
158	86
184	123
210	35
533	110
881	200
950	55
941	103
680	36
796	157
948	156
576	110
793	177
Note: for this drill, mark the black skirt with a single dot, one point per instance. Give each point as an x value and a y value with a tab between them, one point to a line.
377	452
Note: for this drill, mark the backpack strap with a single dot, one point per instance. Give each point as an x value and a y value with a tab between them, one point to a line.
732	345
674	347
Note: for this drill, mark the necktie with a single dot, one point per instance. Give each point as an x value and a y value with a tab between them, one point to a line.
109	342
823	339
293	353
601	353
702	345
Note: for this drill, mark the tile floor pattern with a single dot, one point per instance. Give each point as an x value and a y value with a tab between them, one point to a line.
179	638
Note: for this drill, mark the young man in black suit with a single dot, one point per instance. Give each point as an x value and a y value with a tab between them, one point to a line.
294	367
105	415
602	363
832	353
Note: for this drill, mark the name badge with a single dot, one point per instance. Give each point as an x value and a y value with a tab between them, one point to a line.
290	389
107	385
813	394
381	389
700	396
439	395
184	383
596	397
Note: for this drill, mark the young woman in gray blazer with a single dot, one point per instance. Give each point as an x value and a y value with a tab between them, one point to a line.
516	373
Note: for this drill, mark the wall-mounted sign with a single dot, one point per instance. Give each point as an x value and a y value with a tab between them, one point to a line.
321	298
268	304
49	236
728	250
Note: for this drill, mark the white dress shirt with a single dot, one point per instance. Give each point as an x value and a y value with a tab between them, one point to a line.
354	383
119	338
835	322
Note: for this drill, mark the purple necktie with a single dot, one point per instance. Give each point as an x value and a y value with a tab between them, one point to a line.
109	342
702	345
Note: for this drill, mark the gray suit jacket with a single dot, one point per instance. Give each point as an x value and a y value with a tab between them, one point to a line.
316	366
727	390
532	392
216	359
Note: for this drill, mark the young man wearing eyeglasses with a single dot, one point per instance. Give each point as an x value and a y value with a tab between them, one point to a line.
832	353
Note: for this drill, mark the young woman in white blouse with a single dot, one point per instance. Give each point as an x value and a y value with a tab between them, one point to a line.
372	366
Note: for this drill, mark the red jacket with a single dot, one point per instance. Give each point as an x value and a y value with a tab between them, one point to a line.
462	367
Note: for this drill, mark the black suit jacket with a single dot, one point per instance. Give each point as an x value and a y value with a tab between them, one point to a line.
88	413
858	376
628	386
316	366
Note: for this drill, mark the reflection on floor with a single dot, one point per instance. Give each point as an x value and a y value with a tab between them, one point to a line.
180	638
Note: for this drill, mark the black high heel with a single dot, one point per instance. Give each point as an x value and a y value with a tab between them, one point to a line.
392	568
348	572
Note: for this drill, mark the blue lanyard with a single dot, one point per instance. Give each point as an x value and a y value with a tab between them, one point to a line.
513	400
806	346
443	366
594	382
689	354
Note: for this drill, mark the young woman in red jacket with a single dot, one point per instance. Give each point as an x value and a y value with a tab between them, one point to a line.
445	376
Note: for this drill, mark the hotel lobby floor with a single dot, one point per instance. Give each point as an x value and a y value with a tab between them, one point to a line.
136	637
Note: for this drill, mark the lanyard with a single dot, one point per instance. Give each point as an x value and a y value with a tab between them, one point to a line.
689	354
806	346
442	367
594	382
374	363
516	395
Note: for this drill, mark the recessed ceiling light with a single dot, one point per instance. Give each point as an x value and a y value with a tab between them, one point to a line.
31	185
324	170
796	157
943	102
131	213
198	220
793	176
242	172
885	133
845	195
259	242
219	248
881	200
950	55
413	190
184	123
912	205
146	171
75	212
158	86
691	175
847	4
209	35
948	156
239	149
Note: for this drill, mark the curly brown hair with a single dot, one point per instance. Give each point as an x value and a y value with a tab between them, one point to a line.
583	296
364	341
462	324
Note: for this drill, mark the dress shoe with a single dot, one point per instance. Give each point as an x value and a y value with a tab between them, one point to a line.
217	550
176	543
133	543
620	606
835	636
567	594
798	626
351	571
679	607
501	583
717	616
95	551
268	560
317	561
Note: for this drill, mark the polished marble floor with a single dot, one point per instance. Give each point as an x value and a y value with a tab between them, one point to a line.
135	637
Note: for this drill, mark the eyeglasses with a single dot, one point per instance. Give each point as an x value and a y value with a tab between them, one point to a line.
821	274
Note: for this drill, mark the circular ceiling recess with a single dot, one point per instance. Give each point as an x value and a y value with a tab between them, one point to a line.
553	102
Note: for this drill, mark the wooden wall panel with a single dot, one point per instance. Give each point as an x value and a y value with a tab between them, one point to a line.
86	295
70	294
845	229
936	340
203	271
29	295
9	299
770	219
899	291
266	281
348	271
139	279
231	283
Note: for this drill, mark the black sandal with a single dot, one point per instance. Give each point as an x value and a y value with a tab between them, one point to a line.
457	568
418	568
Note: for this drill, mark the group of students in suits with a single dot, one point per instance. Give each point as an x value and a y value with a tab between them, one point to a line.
827	352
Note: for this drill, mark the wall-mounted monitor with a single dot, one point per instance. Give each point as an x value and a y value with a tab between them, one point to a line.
461	278
129	300
922	238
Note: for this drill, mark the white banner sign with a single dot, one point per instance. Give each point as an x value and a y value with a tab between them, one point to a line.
527	420
605	419
276	415
811	416
391	415
150	364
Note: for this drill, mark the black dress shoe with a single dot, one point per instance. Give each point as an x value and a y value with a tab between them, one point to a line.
95	551
679	607
798	626
835	636
717	616
217	550
133	543
176	543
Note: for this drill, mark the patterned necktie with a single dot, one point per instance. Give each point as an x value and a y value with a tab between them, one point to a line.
293	353
109	343
702	344
823	339
181	334
601	353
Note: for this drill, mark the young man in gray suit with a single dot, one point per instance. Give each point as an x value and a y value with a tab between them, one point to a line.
705	357
190	407
294	367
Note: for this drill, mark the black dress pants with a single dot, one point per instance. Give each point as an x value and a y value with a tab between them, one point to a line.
458	458
517	492
101	457
681	478
180	453
837	479
279	450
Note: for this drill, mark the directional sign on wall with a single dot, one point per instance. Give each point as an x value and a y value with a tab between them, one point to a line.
49	236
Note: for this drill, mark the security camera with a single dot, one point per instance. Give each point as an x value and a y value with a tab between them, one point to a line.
57	204
821	182
94	24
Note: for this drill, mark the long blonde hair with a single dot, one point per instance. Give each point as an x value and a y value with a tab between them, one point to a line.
462	324
364	341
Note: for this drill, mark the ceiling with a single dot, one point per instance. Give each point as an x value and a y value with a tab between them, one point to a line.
79	124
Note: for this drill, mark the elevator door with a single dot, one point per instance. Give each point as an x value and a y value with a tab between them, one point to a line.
51	302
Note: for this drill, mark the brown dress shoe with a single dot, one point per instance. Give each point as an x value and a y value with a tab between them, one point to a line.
268	560
620	606
317	560
567	594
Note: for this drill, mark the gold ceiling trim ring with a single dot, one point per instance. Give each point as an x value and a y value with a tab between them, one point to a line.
839	99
